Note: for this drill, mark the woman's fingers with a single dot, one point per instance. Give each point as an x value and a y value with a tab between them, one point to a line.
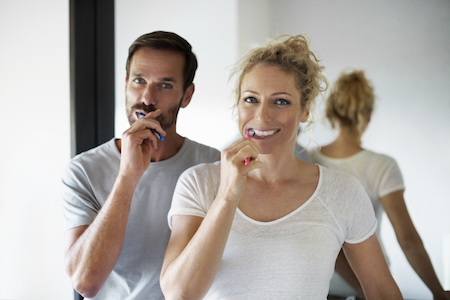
237	153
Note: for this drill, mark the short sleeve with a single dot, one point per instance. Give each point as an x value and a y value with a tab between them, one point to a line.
195	190
79	204
361	223
391	178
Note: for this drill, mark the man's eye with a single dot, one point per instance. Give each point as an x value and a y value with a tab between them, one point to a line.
282	101
166	85
138	80
250	99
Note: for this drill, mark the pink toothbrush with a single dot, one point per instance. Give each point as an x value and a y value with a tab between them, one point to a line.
247	160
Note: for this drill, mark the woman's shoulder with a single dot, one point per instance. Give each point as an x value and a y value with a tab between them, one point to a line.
336	176
378	162
339	189
203	170
378	156
201	175
339	183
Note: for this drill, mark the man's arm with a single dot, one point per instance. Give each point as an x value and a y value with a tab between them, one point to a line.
92	251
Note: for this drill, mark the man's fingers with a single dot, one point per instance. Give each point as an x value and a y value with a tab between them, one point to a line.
149	123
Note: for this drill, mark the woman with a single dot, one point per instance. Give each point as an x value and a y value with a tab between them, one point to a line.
349	107
272	228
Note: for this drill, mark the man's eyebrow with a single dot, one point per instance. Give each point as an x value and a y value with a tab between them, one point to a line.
171	79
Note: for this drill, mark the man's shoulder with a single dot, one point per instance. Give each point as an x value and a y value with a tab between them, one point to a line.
200	153
100	154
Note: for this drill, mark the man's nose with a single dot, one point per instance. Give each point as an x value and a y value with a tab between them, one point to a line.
149	95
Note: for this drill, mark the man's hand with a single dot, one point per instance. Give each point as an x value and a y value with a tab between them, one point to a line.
137	144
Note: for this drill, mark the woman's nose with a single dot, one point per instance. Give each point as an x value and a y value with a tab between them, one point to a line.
264	113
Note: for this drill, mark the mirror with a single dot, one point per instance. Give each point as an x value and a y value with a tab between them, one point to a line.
404	48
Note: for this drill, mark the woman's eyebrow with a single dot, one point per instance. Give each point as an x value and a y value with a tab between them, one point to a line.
274	94
281	93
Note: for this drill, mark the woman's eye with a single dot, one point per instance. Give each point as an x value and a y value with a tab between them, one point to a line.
281	101
250	99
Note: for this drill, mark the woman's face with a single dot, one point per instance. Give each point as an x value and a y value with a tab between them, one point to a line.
269	105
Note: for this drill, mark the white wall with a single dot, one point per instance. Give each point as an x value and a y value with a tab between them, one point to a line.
35	146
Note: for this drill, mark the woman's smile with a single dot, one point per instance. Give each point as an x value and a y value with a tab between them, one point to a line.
261	133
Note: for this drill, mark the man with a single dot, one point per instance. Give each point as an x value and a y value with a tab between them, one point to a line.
116	196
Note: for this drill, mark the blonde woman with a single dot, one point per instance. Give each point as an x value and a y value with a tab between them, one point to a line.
349	107
263	224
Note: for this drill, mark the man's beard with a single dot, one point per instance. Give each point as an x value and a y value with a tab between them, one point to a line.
165	119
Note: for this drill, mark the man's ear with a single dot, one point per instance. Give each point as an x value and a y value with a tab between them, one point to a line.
368	116
187	96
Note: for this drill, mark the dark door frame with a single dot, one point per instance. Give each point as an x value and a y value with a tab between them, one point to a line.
92	94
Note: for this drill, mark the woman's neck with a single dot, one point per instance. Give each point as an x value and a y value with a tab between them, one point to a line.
347	143
279	168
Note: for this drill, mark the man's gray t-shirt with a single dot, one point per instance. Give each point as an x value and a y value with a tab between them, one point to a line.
87	183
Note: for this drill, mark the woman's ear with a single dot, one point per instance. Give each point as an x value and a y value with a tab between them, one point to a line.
305	113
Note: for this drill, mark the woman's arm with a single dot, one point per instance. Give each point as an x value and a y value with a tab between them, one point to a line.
196	245
346	272
411	243
368	263
194	252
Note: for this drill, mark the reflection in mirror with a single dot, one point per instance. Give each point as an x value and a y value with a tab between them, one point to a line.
403	48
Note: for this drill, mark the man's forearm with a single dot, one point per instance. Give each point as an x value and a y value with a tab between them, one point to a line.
93	255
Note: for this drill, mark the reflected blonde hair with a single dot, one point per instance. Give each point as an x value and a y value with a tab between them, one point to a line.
293	55
351	98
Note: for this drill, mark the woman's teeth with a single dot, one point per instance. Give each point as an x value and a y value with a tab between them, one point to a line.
264	133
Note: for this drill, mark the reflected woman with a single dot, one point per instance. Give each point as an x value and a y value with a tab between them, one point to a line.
349	107
263	224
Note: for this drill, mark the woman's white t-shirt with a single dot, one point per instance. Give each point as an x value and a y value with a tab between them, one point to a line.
292	257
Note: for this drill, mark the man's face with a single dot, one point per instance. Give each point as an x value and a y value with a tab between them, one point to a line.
155	82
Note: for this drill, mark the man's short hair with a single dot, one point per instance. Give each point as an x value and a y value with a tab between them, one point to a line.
162	40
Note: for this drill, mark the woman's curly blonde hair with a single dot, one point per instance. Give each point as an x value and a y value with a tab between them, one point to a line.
351	98
291	54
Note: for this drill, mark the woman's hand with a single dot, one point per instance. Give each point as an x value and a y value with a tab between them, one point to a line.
233	171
